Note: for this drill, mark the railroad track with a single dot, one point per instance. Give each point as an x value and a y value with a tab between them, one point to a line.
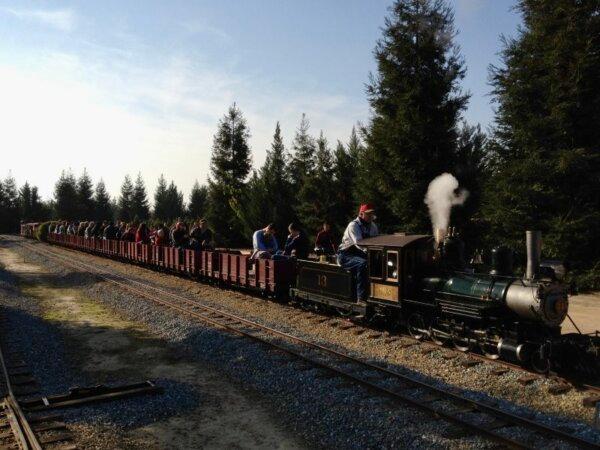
16	429
473	416
559	386
19	430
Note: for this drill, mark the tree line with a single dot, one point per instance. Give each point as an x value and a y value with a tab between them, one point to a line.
537	166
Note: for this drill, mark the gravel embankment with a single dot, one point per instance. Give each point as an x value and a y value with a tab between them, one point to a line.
302	397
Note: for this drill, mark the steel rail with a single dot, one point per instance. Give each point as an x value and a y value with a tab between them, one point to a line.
512	419
24	435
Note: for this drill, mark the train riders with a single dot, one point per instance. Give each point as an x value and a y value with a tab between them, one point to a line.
179	236
352	257
324	244
296	243
200	236
264	243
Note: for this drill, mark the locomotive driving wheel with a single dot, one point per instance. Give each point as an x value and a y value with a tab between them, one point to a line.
489	345
540	362
416	326
439	337
461	340
489	349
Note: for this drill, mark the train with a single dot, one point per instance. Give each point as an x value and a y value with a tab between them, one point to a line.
418	282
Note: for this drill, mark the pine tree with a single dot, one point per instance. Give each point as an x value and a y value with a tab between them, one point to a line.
229	168
160	200
416	104
85	196
198	203
276	188
104	208
9	205
345	170
140	208
472	174
40	211
25	203
175	207
66	198
126	212
257	209
317	193
303	156
355	145
545	148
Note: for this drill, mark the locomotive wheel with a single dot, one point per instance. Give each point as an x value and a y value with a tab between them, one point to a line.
540	364
461	342
344	312
416	326
490	351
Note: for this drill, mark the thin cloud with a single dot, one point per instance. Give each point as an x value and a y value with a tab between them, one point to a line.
61	19
202	27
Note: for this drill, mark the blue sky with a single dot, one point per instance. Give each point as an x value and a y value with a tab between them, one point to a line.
119	87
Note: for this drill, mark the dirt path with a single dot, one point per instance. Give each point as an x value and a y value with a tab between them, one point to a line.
106	347
585	312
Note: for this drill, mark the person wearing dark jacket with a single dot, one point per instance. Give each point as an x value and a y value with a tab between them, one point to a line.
179	235
110	231
200	236
129	234
296	243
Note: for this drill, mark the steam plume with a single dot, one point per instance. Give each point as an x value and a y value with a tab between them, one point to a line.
442	195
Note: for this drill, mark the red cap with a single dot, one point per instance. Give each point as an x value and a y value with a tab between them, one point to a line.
366	207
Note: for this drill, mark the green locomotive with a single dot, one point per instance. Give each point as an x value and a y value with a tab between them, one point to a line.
424	284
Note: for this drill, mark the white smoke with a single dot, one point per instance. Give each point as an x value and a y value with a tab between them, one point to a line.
442	195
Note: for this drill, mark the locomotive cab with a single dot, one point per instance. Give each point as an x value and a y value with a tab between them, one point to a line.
394	264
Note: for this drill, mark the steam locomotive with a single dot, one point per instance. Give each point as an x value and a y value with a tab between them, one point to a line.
417	281
423	282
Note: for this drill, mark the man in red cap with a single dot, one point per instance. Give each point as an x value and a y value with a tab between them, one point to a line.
350	255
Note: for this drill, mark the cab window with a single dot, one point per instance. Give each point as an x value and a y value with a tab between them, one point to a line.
376	263
392	265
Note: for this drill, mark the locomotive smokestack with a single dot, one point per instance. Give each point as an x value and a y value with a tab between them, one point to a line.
533	241
439	234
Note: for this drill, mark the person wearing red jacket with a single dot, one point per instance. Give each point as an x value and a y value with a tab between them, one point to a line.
142	235
324	244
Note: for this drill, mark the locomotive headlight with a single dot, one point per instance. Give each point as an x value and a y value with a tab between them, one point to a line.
561	307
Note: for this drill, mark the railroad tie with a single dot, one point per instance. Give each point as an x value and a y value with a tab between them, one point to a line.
427	349
405	344
470	362
55	438
527	379
591	400
495	424
560	388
